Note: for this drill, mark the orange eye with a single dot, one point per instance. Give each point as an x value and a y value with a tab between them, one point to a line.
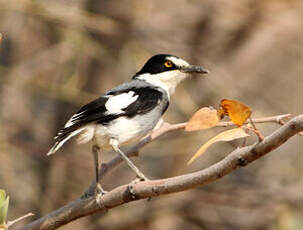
168	64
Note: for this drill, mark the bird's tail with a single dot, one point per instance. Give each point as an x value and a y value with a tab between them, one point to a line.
61	138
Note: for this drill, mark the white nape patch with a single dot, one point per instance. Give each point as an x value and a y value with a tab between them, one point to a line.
178	61
70	122
116	103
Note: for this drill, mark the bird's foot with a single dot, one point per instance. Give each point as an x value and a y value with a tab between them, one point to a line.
139	179
98	191
142	177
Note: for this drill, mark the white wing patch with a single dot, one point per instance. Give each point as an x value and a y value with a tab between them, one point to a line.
116	103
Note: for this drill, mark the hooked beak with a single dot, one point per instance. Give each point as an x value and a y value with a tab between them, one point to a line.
194	69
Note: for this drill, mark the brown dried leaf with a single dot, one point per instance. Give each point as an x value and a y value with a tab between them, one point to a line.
228	135
236	111
203	119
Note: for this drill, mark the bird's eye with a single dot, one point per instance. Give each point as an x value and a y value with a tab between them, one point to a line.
168	64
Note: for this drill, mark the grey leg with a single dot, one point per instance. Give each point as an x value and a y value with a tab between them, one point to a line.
95	151
116	148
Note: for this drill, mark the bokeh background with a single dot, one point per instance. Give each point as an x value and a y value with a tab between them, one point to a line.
58	55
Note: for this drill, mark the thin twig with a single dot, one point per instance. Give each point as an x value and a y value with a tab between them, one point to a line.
256	130
276	119
10	223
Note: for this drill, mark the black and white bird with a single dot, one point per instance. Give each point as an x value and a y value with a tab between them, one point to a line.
129	111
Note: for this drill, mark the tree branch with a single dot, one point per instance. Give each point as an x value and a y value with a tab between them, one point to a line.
127	193
166	128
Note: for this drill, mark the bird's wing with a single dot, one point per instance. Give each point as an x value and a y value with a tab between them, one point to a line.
116	103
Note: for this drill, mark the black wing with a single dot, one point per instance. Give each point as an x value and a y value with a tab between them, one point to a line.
147	98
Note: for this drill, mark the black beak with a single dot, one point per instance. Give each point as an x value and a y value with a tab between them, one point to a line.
194	69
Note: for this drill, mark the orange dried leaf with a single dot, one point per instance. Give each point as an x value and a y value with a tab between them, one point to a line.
236	111
203	119
221	113
228	135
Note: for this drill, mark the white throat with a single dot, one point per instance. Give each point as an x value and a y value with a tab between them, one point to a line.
167	80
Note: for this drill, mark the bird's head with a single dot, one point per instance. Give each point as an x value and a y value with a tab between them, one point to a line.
167	71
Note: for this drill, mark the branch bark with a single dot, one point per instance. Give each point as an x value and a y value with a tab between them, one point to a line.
131	192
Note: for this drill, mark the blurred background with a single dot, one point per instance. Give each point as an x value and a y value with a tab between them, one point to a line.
58	55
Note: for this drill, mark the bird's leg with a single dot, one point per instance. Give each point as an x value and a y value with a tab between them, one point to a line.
160	123
95	151
116	148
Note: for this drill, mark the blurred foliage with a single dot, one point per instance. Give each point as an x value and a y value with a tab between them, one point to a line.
58	55
4	202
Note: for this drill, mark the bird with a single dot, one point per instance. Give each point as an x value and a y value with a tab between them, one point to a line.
127	112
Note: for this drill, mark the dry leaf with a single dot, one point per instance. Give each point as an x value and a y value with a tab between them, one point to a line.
203	119
236	111
221	113
228	135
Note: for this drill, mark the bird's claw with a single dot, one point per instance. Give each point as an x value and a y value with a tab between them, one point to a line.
139	179
99	199
99	193
100	190
144	178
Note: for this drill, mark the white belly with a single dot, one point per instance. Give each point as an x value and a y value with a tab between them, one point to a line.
123	129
